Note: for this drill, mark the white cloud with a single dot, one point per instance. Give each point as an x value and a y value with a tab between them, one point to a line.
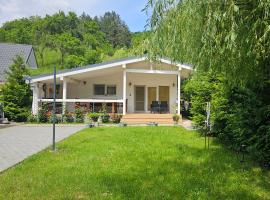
13	9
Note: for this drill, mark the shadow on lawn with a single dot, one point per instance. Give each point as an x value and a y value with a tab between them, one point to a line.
195	173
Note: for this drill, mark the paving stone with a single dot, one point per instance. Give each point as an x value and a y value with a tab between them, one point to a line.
20	142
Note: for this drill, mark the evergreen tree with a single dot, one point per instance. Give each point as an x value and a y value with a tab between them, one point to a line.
116	30
16	94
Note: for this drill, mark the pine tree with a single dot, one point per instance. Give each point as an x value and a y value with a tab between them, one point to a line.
16	94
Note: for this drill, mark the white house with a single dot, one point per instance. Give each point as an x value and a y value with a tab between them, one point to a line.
128	85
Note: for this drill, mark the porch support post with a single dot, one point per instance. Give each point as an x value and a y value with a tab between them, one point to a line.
178	91
35	90
124	88
64	104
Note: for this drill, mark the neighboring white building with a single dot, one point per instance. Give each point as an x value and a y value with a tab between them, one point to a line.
126	86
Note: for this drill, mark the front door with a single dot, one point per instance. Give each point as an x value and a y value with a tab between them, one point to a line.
164	94
139	98
152	95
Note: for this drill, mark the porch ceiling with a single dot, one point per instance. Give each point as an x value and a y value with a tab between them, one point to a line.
107	72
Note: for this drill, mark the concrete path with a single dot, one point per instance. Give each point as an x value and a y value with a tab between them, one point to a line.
20	142
186	123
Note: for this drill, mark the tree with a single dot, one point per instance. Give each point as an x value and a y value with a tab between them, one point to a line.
64	39
116	31
16	94
231	40
67	44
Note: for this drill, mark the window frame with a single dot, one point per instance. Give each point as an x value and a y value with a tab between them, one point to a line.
111	86
105	89
94	91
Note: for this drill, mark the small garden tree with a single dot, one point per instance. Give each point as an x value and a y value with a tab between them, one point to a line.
16	94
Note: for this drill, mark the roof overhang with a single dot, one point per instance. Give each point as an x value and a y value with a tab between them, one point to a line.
104	65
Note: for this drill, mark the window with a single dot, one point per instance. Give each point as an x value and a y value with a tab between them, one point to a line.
111	90
99	89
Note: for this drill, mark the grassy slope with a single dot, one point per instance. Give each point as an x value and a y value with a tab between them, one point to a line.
137	163
51	58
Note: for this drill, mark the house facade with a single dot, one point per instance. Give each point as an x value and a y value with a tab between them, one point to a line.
130	85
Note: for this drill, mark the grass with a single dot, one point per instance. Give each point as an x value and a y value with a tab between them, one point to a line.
51	58
135	163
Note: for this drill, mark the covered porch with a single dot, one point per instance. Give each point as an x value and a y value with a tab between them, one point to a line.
131	86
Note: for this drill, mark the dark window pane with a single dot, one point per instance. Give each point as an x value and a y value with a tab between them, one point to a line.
99	89
111	90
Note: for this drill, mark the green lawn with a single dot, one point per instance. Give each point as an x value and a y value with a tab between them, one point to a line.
135	163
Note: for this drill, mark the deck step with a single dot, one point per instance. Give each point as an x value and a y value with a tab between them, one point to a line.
147	118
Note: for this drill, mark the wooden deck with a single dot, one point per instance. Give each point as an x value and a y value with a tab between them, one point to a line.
145	118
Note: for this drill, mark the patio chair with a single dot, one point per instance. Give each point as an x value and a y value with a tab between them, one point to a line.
154	107
163	107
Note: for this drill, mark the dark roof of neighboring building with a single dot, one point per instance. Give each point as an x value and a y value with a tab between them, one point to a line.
8	52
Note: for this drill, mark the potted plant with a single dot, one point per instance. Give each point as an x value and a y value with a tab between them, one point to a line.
116	118
105	117
93	116
176	118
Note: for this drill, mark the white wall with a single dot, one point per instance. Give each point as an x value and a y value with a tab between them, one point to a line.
150	80
79	90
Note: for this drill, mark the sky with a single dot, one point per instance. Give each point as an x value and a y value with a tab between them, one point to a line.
129	10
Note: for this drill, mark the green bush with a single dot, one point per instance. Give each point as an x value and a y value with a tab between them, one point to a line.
42	115
176	118
93	116
238	115
67	117
14	113
105	118
58	119
32	118
79	115
116	118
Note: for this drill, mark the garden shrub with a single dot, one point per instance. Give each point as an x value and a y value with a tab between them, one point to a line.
238	115
105	117
93	116
42	115
32	118
58	119
176	118
116	118
14	113
67	117
79	115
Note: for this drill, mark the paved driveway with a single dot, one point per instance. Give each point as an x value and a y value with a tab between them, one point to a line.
19	142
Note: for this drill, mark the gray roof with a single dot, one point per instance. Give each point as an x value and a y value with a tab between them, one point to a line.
8	52
87	66
95	65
